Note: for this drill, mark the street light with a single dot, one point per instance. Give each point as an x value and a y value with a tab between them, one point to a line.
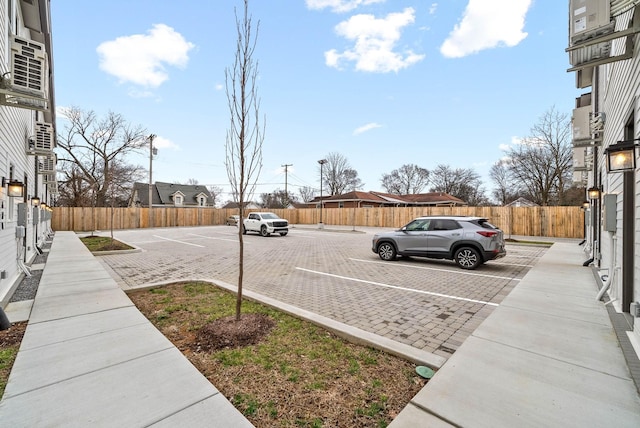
321	162
152	151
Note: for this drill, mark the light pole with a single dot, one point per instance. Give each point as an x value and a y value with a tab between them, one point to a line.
152	152
321	162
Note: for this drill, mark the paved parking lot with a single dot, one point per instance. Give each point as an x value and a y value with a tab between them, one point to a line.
428	304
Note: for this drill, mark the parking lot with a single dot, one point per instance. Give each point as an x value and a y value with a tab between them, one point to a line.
429	304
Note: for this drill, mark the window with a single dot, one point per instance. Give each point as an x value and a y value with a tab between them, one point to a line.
177	200
340	204
202	201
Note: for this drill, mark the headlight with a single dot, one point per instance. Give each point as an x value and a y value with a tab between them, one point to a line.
270	223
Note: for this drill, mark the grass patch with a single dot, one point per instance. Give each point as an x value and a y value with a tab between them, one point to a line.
104	243
297	375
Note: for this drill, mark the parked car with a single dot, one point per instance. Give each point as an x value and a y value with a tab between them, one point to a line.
469	241
265	224
232	220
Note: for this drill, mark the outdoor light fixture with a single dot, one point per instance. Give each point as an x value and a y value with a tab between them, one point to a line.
621	156
593	193
15	189
585	205
35	201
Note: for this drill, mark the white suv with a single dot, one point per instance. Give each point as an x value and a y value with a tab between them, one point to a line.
265	224
469	241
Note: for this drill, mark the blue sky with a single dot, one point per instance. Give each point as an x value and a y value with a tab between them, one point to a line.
382	82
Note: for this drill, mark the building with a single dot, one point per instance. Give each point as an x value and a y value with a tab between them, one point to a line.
27	137
376	199
603	54
170	195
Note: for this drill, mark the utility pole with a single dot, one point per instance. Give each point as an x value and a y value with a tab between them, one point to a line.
286	170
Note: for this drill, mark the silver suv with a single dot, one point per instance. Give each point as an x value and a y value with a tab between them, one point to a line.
470	241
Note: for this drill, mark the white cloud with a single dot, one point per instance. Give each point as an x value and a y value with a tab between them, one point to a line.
164	143
433	8
367	127
504	147
219	86
141	58
339	6
375	40
487	24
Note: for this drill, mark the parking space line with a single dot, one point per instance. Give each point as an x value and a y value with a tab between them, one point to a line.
211	237
399	288
179	242
460	272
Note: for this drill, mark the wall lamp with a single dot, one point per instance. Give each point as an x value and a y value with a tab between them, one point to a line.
593	193
15	188
35	201
621	156
586	205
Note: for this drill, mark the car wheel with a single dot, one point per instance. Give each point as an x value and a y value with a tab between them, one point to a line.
387	251
468	258
244	230
283	233
263	231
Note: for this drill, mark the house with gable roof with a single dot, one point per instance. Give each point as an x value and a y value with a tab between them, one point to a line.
376	199
171	195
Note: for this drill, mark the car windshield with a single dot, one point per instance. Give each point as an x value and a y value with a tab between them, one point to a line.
269	216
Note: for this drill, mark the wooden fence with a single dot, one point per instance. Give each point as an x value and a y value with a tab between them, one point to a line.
557	222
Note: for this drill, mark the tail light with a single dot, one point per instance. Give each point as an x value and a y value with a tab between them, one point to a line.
487	233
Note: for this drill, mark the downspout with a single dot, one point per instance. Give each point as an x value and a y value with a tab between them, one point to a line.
612	271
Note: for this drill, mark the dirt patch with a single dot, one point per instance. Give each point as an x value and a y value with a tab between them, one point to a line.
231	333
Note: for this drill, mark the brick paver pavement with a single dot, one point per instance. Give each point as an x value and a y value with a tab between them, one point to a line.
428	304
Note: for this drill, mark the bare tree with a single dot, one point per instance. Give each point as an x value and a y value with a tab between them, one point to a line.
505	188
306	193
245	136
192	182
216	194
91	147
542	162
463	183
338	175
276	199
407	180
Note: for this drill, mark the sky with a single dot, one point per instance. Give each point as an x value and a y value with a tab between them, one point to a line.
383	83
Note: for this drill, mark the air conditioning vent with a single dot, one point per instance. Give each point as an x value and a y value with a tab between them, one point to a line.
53	188
580	123
47	164
49	178
26	86
28	64
42	141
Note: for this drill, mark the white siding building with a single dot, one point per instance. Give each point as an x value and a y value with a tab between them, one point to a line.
603	52
27	137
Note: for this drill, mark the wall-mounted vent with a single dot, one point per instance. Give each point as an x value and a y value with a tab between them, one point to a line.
580	178
53	188
26	83
49	178
596	122
47	164
580	123
589	17
41	143
28	65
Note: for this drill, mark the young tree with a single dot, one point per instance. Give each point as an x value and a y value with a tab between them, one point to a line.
504	186
406	180
245	135
338	175
91	147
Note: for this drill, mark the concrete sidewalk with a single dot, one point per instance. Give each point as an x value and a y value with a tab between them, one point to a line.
547	356
89	357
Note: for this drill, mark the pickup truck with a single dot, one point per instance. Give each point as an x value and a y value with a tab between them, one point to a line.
265	224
